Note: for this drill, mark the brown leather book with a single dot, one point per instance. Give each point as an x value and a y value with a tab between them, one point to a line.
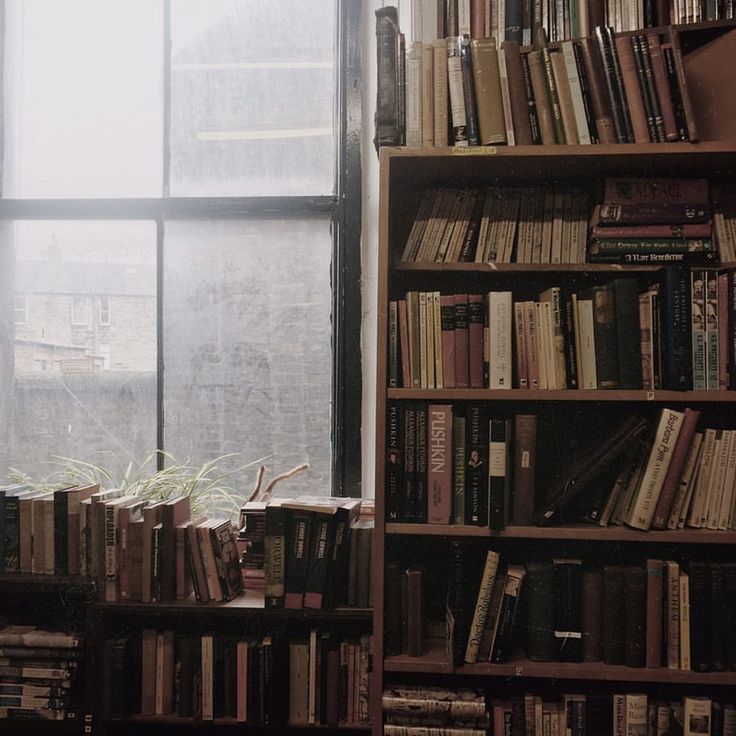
632	89
598	95
541	97
525	450
635	616
487	84
654	594
596	13
592	602
478	19
719	61
612	615
710	93
519	105
563	92
663	87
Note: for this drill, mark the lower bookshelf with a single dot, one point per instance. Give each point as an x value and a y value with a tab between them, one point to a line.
436	661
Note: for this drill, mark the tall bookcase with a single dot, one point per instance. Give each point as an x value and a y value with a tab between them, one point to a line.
405	174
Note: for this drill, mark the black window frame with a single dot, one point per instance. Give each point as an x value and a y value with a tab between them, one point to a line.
343	208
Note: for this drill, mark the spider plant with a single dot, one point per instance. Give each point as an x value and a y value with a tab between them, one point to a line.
206	484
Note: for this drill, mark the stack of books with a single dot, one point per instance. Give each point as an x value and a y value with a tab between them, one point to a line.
40	674
251	545
411	709
645	221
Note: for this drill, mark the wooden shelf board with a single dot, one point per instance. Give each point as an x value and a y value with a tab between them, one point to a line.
251	601
623	150
171	719
596	671
600	395
435	661
572	532
40	583
557	268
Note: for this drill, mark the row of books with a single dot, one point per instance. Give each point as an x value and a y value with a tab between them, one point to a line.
603	88
662	614
40	674
461	464
323	679
674	331
562	19
638	221
499	225
411	710
307	552
672	477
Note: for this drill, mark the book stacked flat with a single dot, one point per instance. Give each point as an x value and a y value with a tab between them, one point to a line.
40	674
410	709
646	221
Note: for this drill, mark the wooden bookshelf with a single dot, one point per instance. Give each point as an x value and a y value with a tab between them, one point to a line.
405	174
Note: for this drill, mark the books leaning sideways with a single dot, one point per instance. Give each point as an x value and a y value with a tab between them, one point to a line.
655	221
40	674
409	709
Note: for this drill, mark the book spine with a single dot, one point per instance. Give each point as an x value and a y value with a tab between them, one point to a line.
462	355
439	474
394	466
275	556
476	467
518	99
458	111
525	450
499	319
480	612
498	474
539	606
459	460
439	106
662	85
642	213
602	114
476	316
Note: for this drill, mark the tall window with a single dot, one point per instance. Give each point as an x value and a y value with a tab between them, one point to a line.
182	170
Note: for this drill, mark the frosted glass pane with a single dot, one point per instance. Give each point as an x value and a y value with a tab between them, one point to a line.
252	97
83	98
247	346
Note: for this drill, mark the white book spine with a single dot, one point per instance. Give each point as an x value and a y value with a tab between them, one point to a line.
457	100
588	378
719	481
414	95
463	17
668	430
439	79
481	607
576	92
427	94
506	98
500	310
728	485
429	20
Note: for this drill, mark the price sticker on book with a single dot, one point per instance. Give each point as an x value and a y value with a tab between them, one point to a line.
474	150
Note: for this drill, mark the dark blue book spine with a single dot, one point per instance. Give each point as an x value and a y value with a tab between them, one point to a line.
676	333
628	342
514	14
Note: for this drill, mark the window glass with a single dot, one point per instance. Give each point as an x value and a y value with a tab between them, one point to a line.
83	98
247	346
77	392
104	313
252	89
20	316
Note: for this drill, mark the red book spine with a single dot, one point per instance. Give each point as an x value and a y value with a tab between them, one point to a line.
439	464
677	464
462	373
694	230
655	591
663	88
476	308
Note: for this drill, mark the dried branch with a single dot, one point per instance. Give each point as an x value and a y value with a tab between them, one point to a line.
283	476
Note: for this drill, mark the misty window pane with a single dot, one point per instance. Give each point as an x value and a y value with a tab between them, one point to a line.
83	98
73	385
247	347
252	94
